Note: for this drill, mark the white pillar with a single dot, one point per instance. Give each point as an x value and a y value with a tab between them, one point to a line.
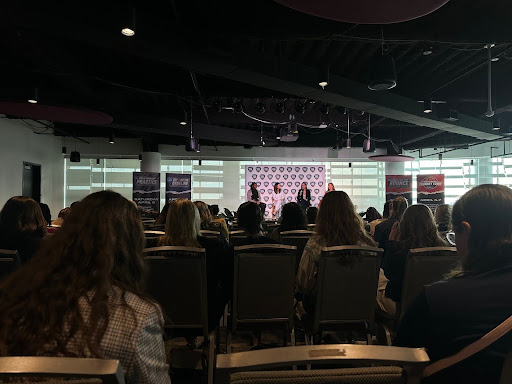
395	168
151	162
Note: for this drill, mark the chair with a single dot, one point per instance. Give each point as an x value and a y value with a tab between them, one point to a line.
210	234
347	290
397	365
298	239
312	227
9	262
108	371
423	266
169	268
263	289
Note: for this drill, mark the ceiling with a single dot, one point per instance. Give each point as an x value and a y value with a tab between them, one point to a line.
192	55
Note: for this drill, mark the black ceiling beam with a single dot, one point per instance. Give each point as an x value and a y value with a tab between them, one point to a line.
420	138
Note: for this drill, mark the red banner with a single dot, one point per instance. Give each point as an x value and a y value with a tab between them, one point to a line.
430	190
399	185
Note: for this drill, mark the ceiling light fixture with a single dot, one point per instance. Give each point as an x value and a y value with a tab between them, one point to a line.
184	119
129	30
349	142
427	105
111	138
490	112
368	144
427	50
323	76
262	142
382	71
496	125
192	143
34	98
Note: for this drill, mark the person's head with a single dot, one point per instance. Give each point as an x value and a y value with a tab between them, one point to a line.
45	209
482	222
399	206
214	209
312	213
304	185
162	217
387	209
277	187
372	214
330	187
183	224
64	213
292	218
99	247
22	216
254	185
418	228
204	213
443	216
338	223
249	217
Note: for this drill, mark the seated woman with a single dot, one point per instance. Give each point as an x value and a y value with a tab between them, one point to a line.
311	214
83	295
443	216
183	228
337	224
22	226
449	315
249	218
292	218
385	216
416	230
207	221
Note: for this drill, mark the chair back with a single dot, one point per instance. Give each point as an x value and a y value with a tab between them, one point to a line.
108	371
210	234
424	266
347	286
9	262
298	240
177	281
298	233
264	284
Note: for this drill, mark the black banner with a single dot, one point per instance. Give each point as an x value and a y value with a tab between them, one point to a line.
146	191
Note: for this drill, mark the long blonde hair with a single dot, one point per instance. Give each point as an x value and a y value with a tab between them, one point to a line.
418	228
183	224
338	223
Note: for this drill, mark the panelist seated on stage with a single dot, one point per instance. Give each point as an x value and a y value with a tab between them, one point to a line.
253	195
250	218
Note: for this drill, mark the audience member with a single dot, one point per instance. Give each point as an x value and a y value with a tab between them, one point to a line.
63	213
385	216
207	222
372	214
293	218
214	210
337	224
382	230
249	218
443	216
417	229
45	209
311	214
162	217
449	315
183	228
22	226
84	295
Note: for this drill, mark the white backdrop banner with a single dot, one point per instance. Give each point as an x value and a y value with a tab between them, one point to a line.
290	177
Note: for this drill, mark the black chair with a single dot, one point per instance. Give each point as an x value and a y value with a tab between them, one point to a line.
263	289
347	289
9	262
298	239
152	238
170	268
423	266
63	368
210	234
374	364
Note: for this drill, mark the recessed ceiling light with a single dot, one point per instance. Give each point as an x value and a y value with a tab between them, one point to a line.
496	58
128	32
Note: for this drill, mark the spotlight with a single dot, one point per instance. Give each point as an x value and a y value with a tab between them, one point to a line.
129	30
427	105
34	98
300	107
368	146
349	143
111	138
496	125
74	157
217	106
323	76
324	109
98	161
427	51
184	119
495	58
440	157
260	107
280	107
238	107
382	73
140	156
64	150
192	145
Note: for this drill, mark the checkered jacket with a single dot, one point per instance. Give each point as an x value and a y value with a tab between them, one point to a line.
141	351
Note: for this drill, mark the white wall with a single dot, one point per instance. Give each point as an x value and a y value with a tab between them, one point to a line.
18	143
